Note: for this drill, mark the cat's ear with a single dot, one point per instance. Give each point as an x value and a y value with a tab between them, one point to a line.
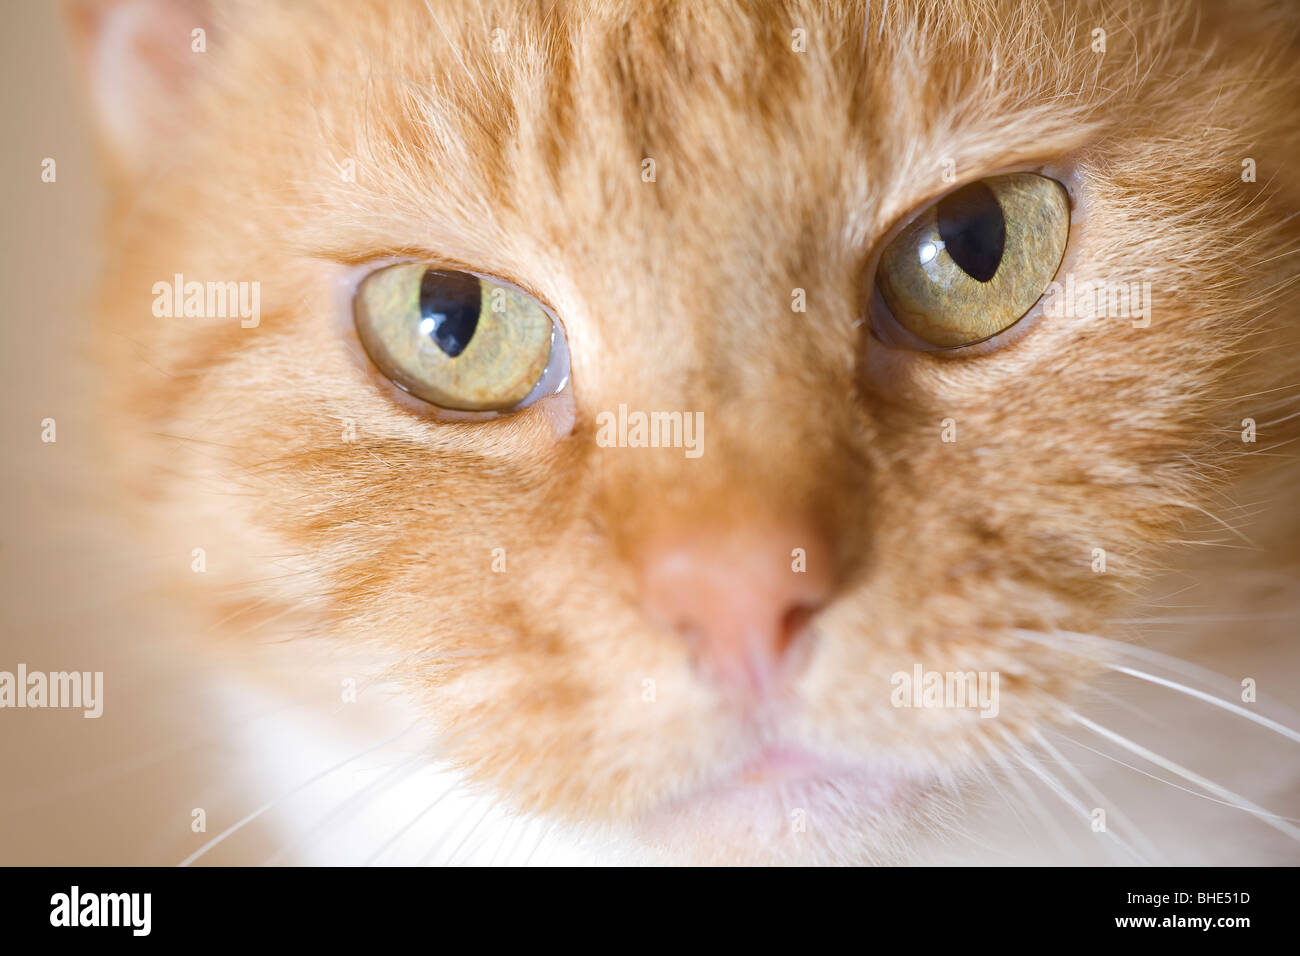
139	59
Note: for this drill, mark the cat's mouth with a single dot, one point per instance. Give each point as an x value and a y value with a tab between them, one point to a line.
795	771
784	802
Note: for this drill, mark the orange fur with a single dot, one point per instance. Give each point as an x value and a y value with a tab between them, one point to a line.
776	170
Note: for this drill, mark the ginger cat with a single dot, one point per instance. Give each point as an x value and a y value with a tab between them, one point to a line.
746	432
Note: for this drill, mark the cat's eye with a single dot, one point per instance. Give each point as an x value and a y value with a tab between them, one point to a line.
972	264
459	341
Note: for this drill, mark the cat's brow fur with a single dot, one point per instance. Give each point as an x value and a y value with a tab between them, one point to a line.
774	171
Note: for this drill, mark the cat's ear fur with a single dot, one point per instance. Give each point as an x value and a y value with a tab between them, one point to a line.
139	59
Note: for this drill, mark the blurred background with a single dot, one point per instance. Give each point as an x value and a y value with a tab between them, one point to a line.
73	789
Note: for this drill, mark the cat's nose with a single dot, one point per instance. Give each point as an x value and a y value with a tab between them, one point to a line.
741	600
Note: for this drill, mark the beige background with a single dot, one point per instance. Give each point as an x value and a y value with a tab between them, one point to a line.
71	789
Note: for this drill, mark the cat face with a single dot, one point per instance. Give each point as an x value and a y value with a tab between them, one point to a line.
698	645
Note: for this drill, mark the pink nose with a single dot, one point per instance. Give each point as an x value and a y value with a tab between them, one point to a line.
741	600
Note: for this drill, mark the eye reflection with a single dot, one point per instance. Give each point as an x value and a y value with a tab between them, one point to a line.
449	306
972	263
974	230
459	341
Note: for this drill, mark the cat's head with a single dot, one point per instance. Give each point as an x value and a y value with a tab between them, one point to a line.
876	464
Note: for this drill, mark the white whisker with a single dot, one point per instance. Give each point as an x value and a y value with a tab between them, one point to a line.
505	838
1227	705
1059	789
1149	848
1050	824
1098	647
1170	783
446	835
1271	819
370	861
472	830
351	806
234	828
543	833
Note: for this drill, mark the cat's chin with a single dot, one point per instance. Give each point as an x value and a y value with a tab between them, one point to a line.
788	806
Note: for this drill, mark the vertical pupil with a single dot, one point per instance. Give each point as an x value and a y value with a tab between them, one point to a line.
973	230
449	307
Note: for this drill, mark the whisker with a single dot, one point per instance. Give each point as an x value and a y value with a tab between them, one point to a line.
543	834
987	776
1227	705
1050	824
1215	518
1169	783
1204	619
505	837
370	861
519	840
464	840
351	805
1059	789
1089	788
1074	642
446	835
234	828
32	798
1271	819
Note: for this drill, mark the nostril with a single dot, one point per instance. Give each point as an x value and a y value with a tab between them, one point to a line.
740	610
689	632
793	624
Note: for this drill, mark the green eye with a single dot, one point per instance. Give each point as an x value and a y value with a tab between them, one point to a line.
455	340
973	263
